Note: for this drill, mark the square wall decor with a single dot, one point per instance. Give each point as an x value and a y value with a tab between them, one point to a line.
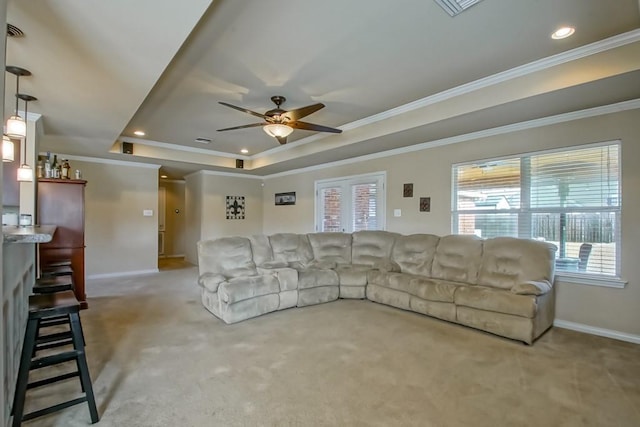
235	207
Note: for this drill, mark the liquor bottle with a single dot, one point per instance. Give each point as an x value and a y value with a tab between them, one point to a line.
66	168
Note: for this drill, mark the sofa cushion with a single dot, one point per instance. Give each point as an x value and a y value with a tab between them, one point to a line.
371	247
496	300
242	288
457	258
507	262
228	256
434	289
293	249
315	277
331	247
414	253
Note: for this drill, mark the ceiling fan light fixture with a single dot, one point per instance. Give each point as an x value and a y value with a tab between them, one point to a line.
16	127
278	130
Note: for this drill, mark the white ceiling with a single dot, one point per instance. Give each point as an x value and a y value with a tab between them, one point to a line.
391	74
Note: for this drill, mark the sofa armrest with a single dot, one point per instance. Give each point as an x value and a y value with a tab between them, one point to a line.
287	277
211	281
532	287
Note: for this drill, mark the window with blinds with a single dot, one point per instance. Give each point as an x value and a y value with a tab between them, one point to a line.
570	198
350	204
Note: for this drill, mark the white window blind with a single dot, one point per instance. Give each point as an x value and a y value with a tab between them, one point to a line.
570	198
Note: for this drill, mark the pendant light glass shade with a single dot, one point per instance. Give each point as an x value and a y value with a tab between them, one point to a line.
277	130
16	127
7	149
25	173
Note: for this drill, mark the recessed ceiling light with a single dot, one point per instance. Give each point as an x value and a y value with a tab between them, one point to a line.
244	151
139	133
164	176
563	33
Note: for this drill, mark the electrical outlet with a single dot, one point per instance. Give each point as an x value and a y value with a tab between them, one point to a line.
397	212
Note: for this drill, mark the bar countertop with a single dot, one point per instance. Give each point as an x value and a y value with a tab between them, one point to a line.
28	234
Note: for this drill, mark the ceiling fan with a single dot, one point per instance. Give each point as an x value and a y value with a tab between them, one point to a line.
280	123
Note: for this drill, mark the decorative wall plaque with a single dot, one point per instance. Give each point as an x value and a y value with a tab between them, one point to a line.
407	190
235	207
425	204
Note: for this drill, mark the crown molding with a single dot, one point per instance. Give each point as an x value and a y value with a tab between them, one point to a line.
106	161
219	173
530	124
179	147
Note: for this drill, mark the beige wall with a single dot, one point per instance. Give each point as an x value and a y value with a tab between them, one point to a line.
430	172
174	234
206	208
118	238
193	215
214	222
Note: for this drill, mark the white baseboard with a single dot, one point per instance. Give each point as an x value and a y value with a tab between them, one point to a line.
122	274
609	333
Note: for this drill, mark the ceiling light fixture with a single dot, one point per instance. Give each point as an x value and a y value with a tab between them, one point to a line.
7	149
16	125
25	173
278	130
139	133
244	151
563	33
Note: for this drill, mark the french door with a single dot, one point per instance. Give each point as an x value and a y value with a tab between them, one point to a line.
351	204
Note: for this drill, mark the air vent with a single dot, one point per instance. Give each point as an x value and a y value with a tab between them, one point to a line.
454	7
13	31
203	140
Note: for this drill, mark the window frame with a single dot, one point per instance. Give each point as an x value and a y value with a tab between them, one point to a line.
525	212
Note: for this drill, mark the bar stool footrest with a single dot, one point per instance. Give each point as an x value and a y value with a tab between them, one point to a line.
54	408
52	380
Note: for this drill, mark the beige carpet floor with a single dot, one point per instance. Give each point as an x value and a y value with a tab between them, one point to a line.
157	358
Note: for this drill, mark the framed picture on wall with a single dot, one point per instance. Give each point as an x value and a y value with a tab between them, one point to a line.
286	198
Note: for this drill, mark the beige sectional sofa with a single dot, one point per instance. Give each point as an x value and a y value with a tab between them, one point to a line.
502	285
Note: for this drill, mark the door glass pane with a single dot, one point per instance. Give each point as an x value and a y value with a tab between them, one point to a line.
331	205
365	206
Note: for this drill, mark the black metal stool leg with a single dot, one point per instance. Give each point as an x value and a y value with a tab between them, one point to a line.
85	378
23	372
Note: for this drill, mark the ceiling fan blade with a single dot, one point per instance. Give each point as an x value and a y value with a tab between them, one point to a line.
313	127
244	110
282	139
252	125
299	113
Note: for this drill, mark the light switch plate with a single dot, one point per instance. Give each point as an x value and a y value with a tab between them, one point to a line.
147	212
397	212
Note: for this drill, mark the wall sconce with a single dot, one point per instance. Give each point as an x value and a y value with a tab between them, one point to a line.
25	173
7	149
16	125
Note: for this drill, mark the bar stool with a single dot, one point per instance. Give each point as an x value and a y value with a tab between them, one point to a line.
42	307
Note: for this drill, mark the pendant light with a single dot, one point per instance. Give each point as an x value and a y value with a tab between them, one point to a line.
25	173
16	125
7	149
